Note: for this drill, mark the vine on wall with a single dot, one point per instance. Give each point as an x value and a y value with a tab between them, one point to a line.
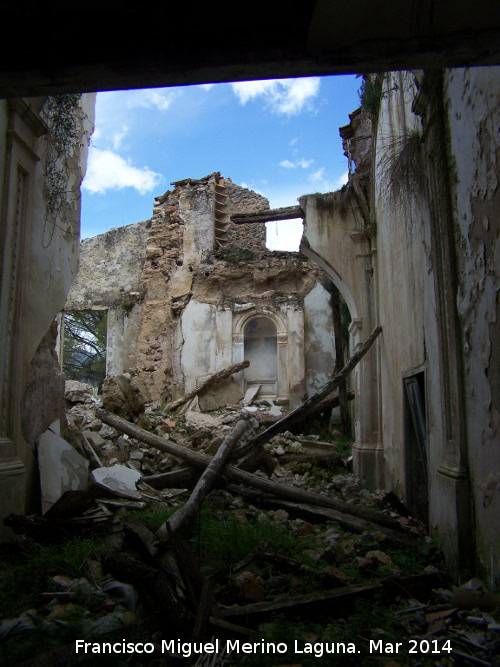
62	114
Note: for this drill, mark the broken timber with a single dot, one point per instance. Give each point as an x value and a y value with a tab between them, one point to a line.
185	478
317	515
213	379
340	595
325	406
238	476
298	414
287	213
204	485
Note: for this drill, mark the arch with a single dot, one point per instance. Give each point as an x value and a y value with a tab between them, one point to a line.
240	320
307	251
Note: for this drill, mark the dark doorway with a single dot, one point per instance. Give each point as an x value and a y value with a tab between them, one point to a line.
417	482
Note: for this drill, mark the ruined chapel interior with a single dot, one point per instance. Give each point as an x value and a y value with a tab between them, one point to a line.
412	247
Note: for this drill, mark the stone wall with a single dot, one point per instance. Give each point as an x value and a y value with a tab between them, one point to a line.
39	246
412	243
110	270
242	200
191	293
472	102
110	278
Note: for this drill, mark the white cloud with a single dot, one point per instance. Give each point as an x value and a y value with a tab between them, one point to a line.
294	141
342	180
299	163
207	86
118	137
109	171
283	96
151	98
248	90
317	176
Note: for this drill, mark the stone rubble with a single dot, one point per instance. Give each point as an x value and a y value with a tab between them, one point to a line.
337	557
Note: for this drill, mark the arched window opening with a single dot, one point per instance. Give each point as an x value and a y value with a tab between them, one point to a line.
261	350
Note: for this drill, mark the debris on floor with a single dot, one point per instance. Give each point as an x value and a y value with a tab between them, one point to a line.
193	533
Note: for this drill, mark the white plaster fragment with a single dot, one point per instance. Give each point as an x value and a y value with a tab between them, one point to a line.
120	480
62	469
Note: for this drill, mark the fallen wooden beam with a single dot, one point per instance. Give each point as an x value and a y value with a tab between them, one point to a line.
326	405
316	515
419	586
94	459
298	414
204	485
339	595
213	379
238	476
286	213
185	478
464	598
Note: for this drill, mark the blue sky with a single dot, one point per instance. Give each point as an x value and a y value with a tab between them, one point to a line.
278	137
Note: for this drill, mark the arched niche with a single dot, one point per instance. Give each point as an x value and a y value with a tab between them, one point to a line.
264	336
260	347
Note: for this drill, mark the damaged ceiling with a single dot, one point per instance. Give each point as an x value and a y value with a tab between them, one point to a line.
107	46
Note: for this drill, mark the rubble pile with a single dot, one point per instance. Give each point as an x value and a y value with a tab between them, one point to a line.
293	535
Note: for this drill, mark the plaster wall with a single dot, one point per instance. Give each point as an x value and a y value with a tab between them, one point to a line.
39	262
54	255
319	338
405	294
336	238
472	99
199	349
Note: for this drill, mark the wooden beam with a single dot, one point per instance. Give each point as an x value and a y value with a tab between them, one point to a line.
213	379
304	408
204	485
287	213
337	596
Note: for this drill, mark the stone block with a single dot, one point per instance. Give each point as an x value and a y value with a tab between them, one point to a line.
250	394
77	392
224	393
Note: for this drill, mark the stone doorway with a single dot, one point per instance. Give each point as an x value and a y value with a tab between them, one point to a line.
261	350
417	482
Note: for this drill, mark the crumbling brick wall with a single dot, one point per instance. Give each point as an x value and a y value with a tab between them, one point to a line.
176	262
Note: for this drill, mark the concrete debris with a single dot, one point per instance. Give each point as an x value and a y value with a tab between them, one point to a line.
62	469
124	395
118	479
78	392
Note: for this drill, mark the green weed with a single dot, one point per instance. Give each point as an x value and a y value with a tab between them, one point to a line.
27	574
